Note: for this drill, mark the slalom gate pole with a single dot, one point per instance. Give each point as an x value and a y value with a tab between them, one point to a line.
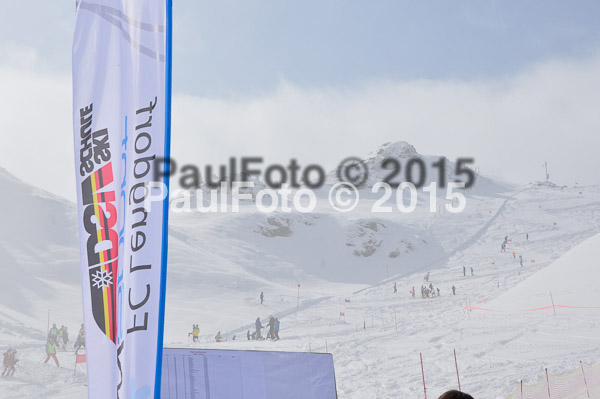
457	375
423	374
553	307
521	389
548	384
584	380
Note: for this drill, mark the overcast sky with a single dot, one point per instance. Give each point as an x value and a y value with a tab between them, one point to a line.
510	83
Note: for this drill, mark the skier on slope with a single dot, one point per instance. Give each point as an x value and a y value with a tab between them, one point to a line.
12	362
9	362
53	333
51	351
62	337
438	292
472	271
195	332
218	337
453	290
5	357
248	335
262	297
80	341
464	271
412	292
521	259
65	337
59	336
395	288
276	329
271	326
258	325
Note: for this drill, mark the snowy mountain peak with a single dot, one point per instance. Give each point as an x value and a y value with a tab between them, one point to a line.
397	149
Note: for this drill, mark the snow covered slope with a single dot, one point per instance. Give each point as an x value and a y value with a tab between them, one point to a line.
572	279
376	345
219	263
40	259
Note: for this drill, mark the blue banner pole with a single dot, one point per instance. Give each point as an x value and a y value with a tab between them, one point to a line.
165	234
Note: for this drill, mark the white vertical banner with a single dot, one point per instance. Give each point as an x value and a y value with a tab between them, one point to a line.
121	120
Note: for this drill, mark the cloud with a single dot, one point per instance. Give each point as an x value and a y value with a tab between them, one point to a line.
510	125
17	56
36	130
548	112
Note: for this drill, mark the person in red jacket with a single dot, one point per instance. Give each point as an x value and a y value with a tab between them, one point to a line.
9	362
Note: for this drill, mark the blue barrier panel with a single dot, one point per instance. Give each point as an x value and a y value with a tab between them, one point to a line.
240	374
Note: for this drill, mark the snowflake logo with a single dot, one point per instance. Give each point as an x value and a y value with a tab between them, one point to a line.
102	279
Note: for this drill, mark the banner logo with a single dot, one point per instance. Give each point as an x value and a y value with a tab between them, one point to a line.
99	219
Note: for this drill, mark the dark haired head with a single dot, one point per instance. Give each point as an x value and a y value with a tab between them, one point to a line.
455	395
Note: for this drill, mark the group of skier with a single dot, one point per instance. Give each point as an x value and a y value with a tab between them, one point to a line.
427	291
514	254
58	339
9	362
60	336
272	330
